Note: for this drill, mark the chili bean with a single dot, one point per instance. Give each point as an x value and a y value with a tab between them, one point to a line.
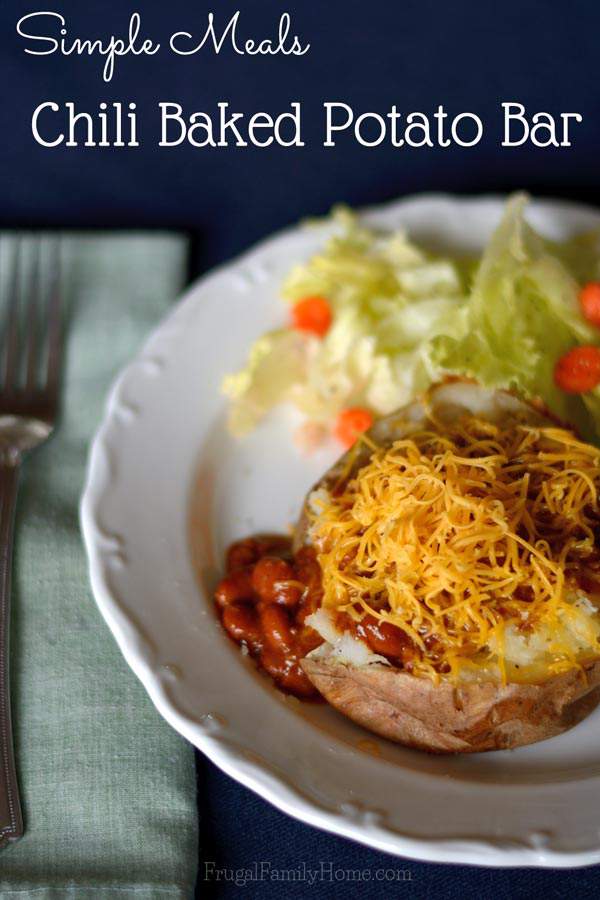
344	622
430	641
274	662
304	609
386	639
234	587
274	545
307	567
307	639
286	672
276	627
240	621
297	683
309	603
289	593
264	600
270	580
308	572
242	553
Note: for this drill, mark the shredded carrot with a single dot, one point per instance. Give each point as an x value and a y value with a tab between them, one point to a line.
312	314
351	423
578	371
589	300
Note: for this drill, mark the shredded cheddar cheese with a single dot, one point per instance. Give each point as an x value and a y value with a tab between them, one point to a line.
464	536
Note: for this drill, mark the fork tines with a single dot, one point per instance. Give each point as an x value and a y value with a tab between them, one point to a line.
31	338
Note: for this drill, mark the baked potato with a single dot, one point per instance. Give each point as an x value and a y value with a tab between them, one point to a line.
443	718
542	674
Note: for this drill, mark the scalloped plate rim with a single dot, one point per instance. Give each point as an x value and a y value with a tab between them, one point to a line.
255	776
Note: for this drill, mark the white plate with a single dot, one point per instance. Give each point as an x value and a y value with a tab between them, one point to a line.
167	490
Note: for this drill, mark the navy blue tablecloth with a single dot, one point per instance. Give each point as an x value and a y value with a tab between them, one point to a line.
249	849
417	54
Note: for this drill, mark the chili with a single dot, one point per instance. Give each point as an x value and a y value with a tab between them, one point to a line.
264	599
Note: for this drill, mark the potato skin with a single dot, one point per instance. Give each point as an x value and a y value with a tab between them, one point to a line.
444	718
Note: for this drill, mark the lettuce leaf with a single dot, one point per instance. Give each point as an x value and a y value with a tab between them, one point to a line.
403	319
277	362
522	315
387	298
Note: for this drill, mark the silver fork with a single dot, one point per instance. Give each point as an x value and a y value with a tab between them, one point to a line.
30	353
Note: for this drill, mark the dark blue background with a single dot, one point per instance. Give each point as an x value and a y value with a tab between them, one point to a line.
469	56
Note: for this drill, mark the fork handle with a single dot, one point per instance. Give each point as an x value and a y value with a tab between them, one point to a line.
11	819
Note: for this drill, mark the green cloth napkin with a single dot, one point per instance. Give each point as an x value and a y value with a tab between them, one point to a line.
108	789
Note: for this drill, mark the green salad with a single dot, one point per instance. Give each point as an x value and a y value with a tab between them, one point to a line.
374	320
